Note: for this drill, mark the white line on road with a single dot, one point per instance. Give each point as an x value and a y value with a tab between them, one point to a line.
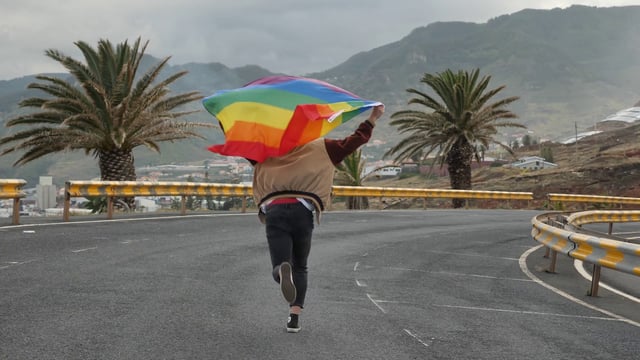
474	255
360	283
528	312
83	250
461	274
577	264
416	337
375	302
16	263
127	242
83	222
355	267
523	267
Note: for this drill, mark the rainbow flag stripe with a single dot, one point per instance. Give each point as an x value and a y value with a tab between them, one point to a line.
272	115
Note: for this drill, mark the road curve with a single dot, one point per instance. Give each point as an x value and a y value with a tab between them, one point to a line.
435	284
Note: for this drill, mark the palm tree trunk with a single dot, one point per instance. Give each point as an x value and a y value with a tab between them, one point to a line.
357	202
459	166
117	165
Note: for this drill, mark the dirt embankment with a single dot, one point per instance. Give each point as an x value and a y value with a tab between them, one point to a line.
605	164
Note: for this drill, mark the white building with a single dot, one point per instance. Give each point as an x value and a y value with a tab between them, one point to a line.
382	171
46	193
532	163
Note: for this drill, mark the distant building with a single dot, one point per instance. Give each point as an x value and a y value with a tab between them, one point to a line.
532	163
383	171
46	193
629	115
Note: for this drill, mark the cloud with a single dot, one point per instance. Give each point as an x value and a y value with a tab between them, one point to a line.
288	36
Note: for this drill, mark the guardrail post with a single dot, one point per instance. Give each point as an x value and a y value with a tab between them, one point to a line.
109	207
244	204
595	280
16	211
67	204
552	265
380	203
183	204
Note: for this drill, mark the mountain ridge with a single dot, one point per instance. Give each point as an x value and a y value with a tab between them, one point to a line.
570	67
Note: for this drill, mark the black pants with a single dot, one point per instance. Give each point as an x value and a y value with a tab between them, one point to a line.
289	228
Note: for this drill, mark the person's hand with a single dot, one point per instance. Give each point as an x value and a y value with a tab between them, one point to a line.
376	113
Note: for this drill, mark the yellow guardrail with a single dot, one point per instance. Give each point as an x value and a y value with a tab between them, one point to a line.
12	189
603	216
112	189
593	199
429	193
565	236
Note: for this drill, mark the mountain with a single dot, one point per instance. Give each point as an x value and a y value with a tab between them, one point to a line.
574	65
570	67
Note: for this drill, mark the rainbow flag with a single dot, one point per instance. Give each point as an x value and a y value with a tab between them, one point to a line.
272	115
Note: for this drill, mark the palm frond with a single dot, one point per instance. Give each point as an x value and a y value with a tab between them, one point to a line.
107	109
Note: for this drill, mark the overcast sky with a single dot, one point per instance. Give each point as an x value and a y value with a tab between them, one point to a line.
290	36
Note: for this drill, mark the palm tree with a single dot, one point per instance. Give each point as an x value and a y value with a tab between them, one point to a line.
456	127
107	110
350	173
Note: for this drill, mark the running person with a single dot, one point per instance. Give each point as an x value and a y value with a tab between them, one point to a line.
288	190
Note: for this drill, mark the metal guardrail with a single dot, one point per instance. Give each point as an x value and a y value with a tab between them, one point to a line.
601	216
12	189
593	199
113	189
429	193
564	235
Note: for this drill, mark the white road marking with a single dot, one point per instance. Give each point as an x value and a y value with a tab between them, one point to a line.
528	312
577	264
523	267
624	232
461	274
121	220
16	263
375	302
416	337
127	242
83	250
355	267
474	255
360	283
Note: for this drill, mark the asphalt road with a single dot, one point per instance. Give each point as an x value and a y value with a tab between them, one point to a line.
435	284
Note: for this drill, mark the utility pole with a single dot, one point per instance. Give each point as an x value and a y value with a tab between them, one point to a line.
576	147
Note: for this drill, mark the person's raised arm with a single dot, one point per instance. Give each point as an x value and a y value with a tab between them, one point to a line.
339	149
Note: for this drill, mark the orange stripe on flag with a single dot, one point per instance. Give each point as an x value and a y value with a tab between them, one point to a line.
253	132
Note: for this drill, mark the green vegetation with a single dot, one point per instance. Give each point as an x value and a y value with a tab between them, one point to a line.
107	110
350	172
454	128
546	153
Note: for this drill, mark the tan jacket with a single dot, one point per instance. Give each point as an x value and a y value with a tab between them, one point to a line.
306	171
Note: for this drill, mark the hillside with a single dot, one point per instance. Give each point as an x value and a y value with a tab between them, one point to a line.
570	67
606	164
